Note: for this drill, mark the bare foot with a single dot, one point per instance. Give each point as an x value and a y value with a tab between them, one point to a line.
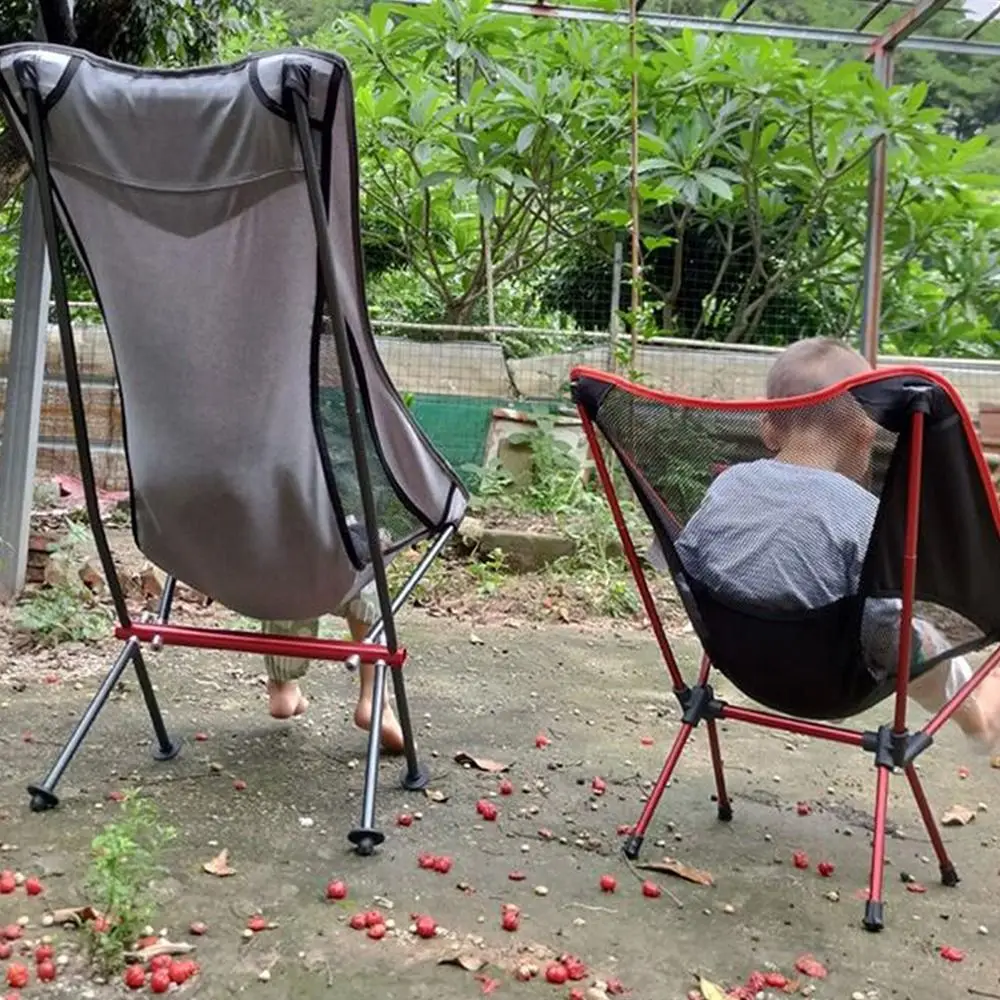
392	734
285	699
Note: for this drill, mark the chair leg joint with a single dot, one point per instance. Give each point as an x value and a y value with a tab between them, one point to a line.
892	749
698	703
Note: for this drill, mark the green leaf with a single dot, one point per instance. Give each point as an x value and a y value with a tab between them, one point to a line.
487	201
525	137
434	179
715	184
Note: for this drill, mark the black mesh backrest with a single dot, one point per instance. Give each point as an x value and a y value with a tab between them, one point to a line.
806	658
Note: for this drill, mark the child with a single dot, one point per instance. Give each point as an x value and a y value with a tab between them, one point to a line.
284	672
791	532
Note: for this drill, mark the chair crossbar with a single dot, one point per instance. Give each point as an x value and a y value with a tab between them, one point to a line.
232	640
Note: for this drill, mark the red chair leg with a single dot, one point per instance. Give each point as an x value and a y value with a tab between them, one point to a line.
949	876
634	843
725	806
874	916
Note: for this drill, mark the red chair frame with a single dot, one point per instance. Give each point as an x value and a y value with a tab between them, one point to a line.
697	701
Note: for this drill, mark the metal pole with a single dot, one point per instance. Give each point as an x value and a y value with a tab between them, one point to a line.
614	322
22	412
875	241
25	379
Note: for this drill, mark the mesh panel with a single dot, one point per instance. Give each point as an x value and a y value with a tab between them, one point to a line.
399	526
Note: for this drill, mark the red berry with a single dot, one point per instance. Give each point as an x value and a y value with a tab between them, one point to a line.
801	860
135	977
803	808
426	860
239	785
963	772
516	876
159	981
556	974
426	928
373	918
608	883
160	962
376	932
404	819
775	979
5	951
198	928
44	953
257	923
575	969
542	741
181	972
624	830
336	890
442	864
7	884
487	810
646	741
826	868
506	787
201	737
116	796
808	966
576	994
17	975
46	971
915	887
599	786
651	890
950	954
358	922
510	920
11	932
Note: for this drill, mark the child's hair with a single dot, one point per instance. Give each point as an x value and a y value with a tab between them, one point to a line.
809	366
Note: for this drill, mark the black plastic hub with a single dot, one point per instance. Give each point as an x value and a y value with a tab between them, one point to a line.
365	841
874	916
699	702
893	749
169	752
42	799
416	781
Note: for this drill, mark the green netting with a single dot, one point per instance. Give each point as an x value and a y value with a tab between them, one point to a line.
456	425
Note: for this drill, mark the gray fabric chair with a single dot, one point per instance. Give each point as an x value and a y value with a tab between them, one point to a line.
215	212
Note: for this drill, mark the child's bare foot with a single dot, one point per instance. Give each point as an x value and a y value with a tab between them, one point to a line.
285	699
392	734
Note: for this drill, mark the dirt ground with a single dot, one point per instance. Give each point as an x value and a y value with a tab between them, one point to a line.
600	697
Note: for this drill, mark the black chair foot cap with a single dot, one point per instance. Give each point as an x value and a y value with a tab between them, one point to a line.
874	916
633	846
42	799
365	841
949	876
417	781
726	813
169	752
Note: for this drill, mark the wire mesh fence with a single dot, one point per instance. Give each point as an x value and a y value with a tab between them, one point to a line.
461	384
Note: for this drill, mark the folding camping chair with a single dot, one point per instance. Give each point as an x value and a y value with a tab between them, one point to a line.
272	464
936	540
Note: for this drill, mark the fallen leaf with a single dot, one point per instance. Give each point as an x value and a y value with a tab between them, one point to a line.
481	763
958	816
671	866
809	966
489	985
435	795
464	960
710	991
219	865
74	915
143	955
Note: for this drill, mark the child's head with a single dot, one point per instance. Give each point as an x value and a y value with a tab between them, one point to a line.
836	434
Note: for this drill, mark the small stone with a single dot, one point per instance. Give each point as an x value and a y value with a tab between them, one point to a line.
264	975
47	920
247	933
729	908
352	764
579	922
768	837
982	929
480	920
833	896
62	960
418	815
306	821
660	843
541	890
776	779
215	767
23	921
858	995
525	848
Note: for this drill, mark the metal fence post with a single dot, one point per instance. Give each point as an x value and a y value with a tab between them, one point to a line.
22	411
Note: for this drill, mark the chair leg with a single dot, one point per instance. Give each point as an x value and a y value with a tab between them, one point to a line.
949	876
724	804
365	837
874	908
166	748
415	775
43	795
634	843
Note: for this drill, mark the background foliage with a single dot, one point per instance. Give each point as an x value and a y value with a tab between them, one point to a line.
501	143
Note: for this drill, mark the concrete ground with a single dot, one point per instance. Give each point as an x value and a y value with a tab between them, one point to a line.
597	696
